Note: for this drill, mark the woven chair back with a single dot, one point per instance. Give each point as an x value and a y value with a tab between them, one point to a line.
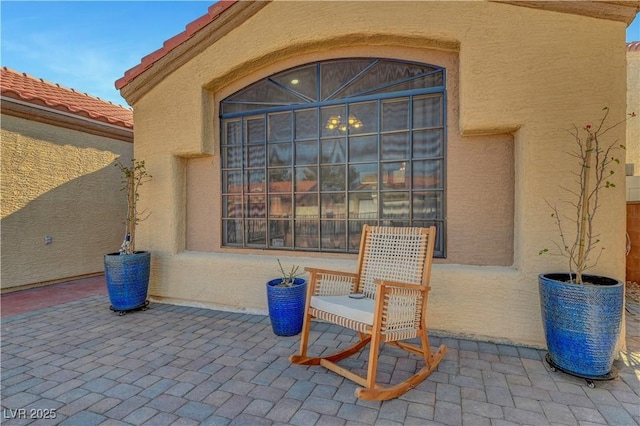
395	254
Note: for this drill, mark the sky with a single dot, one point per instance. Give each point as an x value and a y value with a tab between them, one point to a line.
88	45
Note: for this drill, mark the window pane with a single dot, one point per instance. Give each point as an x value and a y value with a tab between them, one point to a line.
280	180
363	118
307	233
257	157
232	206
306	220
332	178
280	233
430	80
263	91
363	148
427	205
382	74
256	206
307	124
395	146
302	80
257	181
428	143
363	176
395	175
333	150
255	130
331	120
306	206
256	232
232	181
280	154
363	205
280	127
280	206
395	205
232	231
333	234
395	114
233	132
333	206
427	174
231	157
306	179
306	152
336	73
428	111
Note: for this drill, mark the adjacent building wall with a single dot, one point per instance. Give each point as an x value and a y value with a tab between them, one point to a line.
524	77
633	105
61	205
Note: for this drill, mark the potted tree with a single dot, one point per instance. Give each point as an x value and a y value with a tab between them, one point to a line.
286	298
127	271
581	313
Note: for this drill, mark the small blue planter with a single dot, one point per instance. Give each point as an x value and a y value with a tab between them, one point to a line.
127	279
582	323
286	306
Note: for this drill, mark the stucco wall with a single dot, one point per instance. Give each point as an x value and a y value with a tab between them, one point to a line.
633	105
525	73
62	184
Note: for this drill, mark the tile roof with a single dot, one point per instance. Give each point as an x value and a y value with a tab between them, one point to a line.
634	46
213	13
37	91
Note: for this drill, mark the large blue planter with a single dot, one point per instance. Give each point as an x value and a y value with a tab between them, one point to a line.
127	279
286	306
582	322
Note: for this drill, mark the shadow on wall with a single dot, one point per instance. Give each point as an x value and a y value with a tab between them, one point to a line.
59	217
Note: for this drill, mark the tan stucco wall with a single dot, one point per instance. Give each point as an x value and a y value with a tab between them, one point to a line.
633	105
59	183
522	72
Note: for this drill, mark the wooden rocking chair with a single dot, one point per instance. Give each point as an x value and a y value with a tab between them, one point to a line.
394	268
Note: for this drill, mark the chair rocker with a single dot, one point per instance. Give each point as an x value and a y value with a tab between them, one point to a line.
392	279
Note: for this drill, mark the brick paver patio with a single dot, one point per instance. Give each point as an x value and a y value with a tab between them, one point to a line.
85	365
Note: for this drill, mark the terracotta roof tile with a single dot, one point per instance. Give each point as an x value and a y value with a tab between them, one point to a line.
213	13
634	46
40	92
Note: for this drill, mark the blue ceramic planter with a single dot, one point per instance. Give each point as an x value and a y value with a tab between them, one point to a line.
286	306
127	279
582	322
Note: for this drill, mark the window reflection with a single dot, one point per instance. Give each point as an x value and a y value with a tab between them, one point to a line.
307	159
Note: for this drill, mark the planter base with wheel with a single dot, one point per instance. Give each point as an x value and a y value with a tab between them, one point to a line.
121	312
590	379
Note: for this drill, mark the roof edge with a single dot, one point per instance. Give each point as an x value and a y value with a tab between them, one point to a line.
623	11
191	29
54	117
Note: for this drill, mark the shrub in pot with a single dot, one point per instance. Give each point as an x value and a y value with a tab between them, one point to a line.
582	313
286	298
127	271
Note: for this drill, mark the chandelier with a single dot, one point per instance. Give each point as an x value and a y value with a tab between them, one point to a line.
336	122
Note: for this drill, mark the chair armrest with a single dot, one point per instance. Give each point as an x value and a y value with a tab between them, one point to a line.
386	283
323	282
400	307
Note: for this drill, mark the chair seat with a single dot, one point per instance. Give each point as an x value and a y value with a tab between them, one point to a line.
360	310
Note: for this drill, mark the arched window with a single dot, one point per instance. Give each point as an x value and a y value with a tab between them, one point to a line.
312	153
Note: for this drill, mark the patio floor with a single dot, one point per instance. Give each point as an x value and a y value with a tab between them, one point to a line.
65	354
